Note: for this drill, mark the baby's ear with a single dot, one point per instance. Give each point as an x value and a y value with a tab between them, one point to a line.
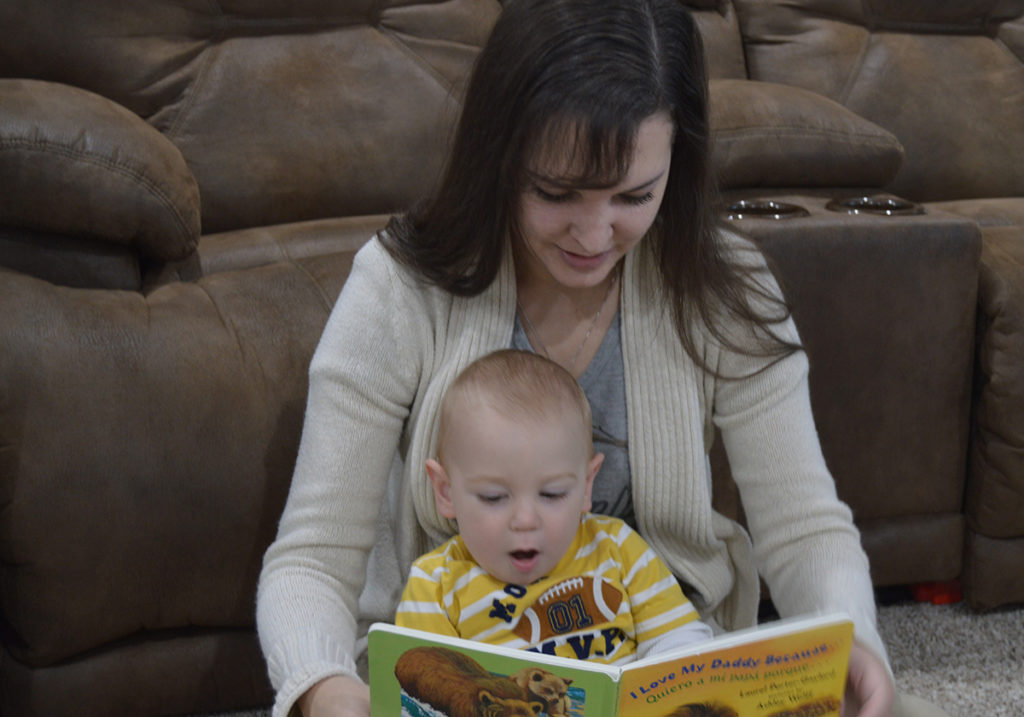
592	468
442	488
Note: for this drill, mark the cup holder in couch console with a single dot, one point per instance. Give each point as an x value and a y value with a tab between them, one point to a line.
764	209
879	204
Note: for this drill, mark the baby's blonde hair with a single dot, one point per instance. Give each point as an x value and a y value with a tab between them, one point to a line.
518	385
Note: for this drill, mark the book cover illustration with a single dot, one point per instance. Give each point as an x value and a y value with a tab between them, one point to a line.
785	669
419	674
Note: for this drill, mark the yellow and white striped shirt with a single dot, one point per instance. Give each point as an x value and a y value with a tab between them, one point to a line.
610	599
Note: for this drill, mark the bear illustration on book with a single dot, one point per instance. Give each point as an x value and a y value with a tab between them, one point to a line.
551	691
455	684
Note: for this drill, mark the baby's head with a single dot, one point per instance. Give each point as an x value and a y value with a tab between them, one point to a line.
515	462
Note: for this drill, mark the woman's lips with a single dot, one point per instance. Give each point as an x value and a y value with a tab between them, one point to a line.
584	261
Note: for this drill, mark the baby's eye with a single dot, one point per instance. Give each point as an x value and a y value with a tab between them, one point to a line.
554	495
490	498
636	201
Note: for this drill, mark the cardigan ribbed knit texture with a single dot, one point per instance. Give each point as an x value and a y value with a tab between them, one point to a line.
388	353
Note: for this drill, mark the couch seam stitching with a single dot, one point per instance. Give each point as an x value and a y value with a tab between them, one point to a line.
213	43
243	353
328	304
396	40
857	70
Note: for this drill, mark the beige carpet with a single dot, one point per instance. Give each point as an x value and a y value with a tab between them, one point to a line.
968	663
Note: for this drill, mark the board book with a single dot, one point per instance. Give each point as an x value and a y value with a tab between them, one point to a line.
786	668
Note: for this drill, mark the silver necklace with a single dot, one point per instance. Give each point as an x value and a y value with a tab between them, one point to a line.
590	329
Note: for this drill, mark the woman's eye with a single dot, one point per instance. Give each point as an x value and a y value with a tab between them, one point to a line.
555	198
638	200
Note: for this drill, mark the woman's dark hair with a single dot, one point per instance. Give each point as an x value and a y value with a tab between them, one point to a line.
585	74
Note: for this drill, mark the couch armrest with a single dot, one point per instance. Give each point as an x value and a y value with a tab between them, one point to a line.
772	135
75	164
995	492
995	482
885	306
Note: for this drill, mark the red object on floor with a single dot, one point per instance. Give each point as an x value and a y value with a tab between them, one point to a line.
938	593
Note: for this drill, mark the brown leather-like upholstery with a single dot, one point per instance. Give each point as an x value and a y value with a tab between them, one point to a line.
995	493
947	80
183	185
70	155
885	307
324	108
770	135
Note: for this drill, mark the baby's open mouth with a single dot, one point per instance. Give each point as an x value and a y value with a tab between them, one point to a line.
525	561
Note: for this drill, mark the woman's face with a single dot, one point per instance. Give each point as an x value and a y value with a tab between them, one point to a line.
575	236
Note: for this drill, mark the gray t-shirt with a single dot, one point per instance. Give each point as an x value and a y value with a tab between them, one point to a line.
605	387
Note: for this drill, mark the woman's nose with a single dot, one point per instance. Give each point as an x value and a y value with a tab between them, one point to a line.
592	229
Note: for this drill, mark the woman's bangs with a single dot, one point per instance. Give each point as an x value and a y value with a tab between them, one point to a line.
583	154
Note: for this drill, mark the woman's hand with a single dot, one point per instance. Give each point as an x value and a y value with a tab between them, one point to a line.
870	691
337	696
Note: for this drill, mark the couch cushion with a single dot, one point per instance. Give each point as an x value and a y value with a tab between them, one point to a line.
75	163
185	672
284	111
947	78
147	447
720	32
260	246
772	135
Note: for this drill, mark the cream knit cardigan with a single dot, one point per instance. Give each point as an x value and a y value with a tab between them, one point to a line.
390	349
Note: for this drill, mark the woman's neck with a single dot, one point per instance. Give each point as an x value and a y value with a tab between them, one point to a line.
566	324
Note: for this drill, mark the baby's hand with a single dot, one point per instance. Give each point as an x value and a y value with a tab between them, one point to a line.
337	696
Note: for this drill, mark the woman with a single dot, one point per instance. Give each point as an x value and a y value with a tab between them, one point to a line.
575	219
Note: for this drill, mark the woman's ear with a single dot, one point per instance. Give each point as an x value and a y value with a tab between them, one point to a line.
442	488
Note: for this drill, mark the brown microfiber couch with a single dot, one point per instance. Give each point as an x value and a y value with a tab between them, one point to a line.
947	79
182	188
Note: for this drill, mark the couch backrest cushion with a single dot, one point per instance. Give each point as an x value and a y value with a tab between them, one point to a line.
287	110
283	109
720	31
945	76
771	135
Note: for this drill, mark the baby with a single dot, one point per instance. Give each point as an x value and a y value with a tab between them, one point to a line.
531	568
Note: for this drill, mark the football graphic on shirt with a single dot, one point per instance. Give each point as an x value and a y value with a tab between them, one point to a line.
569	606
